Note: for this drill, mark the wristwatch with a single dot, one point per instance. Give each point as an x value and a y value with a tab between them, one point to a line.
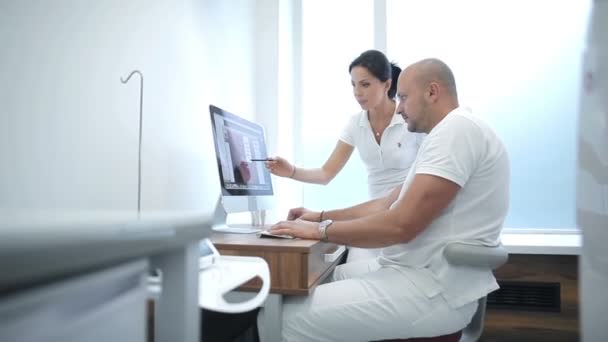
323	225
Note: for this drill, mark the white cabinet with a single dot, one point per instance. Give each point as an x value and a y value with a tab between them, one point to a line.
100	306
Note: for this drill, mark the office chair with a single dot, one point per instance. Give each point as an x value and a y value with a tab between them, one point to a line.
459	253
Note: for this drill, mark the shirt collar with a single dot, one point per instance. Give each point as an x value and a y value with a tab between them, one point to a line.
461	109
364	122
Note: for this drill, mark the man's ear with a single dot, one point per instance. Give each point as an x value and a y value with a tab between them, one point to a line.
433	92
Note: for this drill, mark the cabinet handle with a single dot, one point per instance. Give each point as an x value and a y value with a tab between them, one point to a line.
331	257
155	284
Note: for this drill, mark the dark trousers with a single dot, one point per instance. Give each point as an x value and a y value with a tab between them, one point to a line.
223	327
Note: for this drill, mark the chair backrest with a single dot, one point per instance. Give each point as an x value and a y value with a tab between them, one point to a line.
460	253
488	257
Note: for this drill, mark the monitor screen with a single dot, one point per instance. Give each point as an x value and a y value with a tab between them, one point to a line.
237	142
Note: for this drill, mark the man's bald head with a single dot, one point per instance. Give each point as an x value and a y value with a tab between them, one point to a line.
434	70
427	93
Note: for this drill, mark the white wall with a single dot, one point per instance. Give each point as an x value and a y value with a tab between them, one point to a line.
275	82
229	38
68	126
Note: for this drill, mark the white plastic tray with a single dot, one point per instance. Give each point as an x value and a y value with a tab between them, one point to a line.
228	273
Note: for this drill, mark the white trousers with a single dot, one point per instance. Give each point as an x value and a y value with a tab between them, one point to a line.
367	302
358	254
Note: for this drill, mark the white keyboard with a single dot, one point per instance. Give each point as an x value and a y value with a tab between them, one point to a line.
238	230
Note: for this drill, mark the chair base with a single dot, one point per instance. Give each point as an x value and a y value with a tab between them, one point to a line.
455	337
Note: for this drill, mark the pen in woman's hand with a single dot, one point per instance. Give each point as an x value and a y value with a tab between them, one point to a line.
262	159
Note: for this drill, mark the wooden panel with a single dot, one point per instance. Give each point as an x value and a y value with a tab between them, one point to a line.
290	271
296	266
150	321
516	325
230	252
273	260
287	273
251	242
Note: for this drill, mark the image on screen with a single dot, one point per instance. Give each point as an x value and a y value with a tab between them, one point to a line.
237	142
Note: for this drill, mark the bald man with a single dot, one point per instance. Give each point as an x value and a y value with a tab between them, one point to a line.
457	190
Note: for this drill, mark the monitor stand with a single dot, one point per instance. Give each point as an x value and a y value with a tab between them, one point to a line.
257	219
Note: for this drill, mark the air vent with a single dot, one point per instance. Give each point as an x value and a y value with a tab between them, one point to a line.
528	296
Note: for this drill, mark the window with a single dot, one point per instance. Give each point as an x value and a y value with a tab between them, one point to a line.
517	65
329	44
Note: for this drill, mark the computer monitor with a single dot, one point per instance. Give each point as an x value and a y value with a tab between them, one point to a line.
246	185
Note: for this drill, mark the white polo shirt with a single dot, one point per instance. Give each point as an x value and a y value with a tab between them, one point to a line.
389	162
464	150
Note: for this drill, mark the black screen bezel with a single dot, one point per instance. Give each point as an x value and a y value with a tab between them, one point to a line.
254	126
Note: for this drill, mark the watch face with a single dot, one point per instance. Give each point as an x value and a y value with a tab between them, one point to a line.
322	229
325	223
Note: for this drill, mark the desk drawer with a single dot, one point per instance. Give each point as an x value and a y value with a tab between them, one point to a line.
293	271
322	256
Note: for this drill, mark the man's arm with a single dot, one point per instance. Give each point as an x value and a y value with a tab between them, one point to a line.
426	197
424	200
364	209
351	213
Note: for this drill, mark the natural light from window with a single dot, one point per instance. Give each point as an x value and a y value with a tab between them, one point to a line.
333	34
517	64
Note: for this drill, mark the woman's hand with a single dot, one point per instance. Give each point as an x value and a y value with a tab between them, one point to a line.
280	167
303	214
298	228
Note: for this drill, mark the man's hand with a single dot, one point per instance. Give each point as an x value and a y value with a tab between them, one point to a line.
303	214
298	228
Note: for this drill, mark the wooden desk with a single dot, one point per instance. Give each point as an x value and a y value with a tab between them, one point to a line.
296	266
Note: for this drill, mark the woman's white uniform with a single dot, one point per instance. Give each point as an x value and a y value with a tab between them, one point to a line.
387	163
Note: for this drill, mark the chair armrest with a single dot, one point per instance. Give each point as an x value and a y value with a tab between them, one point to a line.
460	253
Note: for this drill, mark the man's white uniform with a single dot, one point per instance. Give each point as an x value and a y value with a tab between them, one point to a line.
410	290
387	163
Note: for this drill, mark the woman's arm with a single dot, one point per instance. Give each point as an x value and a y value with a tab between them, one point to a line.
323	175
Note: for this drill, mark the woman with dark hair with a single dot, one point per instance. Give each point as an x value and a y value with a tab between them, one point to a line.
385	145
